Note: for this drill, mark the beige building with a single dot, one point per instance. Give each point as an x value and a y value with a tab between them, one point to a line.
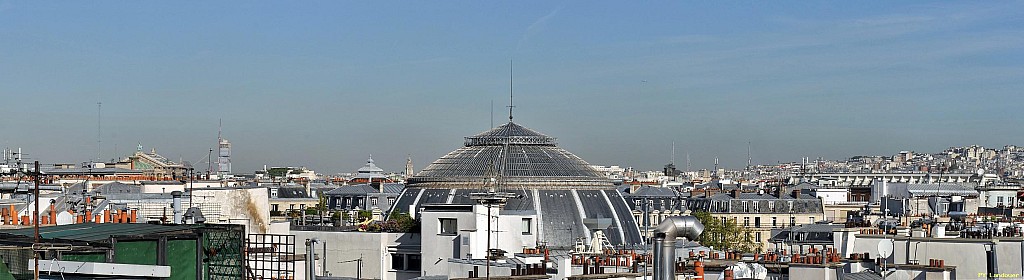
761	212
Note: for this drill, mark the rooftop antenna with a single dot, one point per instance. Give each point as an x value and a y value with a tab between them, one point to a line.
99	130
511	77
748	154
687	162
673	153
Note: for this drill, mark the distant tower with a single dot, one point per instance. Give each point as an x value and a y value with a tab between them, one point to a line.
408	166
223	155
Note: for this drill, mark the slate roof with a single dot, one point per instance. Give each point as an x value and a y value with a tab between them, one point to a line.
863	275
360	189
940	190
654	191
809	233
98	232
292	192
395	188
117	188
92	171
756	196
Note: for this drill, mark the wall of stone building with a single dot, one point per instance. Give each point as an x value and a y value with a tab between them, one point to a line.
245	206
766	223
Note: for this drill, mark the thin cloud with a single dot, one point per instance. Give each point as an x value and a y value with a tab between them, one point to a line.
536	27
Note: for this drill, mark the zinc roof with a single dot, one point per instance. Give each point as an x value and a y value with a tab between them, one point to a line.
97	232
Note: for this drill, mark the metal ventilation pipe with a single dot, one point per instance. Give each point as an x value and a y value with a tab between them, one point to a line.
176	206
311	258
665	243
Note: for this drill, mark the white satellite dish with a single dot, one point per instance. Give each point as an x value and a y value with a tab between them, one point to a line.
885	248
65	218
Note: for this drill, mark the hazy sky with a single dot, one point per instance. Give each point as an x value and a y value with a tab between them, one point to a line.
324	84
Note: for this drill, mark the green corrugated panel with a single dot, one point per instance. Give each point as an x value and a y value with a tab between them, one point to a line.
181	257
135	252
5	274
94	257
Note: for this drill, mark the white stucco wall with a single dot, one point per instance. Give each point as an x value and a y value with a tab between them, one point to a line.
374	248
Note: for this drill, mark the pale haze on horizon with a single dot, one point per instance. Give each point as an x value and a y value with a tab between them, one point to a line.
324	84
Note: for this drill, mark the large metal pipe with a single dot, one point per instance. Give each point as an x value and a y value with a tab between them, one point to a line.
176	206
665	243
311	258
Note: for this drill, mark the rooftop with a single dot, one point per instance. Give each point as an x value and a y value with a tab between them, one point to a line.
94	232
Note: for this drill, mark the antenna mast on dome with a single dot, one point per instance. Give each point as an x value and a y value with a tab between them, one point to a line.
511	78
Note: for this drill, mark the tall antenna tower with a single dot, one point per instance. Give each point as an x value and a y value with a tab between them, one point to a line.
748	154
687	162
99	130
511	91
673	153
223	152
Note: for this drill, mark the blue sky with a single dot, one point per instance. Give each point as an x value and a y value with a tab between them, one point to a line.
324	84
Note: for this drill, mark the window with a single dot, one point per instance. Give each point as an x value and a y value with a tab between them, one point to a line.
757	222
391	201
757	235
999	200
291	206
527	226
373	201
775	221
790	205
810	220
413	262
746	221
792	221
756	206
771	206
273	208
405	262
746	207
449	226
302	206
398	261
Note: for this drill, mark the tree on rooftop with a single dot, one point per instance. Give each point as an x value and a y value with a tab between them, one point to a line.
727	236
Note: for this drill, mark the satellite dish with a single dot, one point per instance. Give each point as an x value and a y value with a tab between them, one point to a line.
885	248
981	171
65	218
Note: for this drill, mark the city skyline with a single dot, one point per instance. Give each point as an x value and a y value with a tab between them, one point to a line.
324	85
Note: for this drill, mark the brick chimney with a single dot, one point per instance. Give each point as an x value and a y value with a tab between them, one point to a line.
779	192
736	193
796	193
